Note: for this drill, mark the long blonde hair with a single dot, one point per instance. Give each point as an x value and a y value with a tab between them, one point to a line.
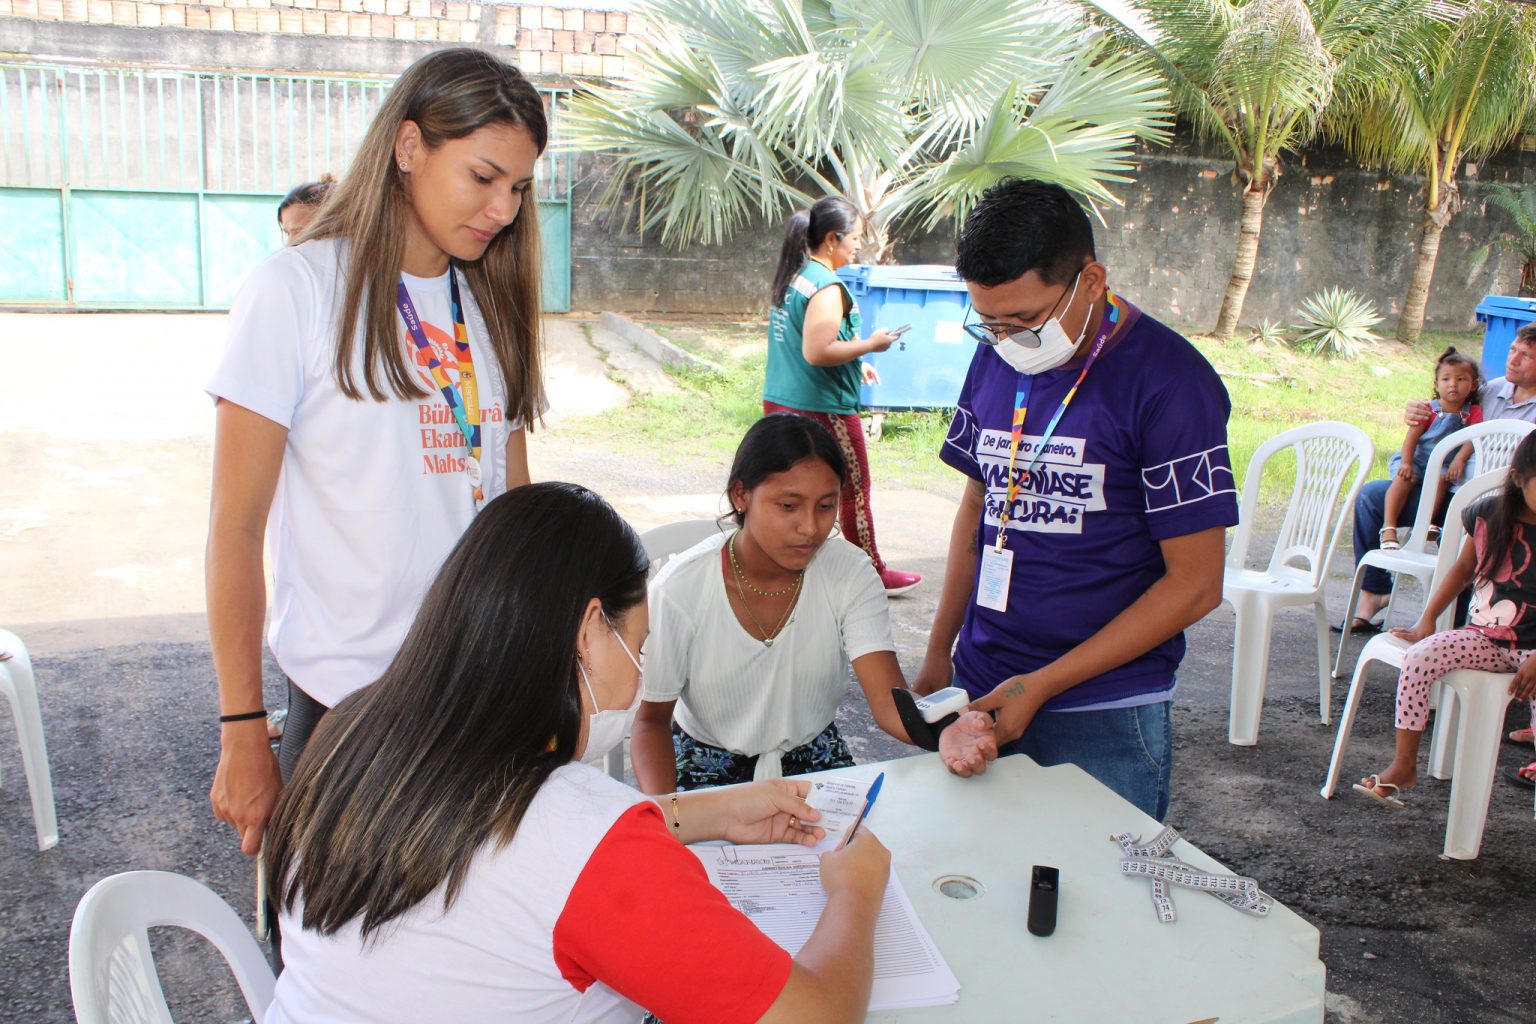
449	94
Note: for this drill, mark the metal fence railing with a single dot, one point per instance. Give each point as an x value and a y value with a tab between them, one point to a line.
139	129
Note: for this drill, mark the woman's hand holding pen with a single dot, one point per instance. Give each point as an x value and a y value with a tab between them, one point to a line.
859	867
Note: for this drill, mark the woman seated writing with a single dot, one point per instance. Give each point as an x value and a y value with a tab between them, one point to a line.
443	853
753	631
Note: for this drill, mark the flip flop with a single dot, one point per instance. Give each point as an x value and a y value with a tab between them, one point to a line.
1362	627
1522	776
1523	737
1374	791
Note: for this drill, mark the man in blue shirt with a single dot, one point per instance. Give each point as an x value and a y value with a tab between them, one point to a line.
1112	500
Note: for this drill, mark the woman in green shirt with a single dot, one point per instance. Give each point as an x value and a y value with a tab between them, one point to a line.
813	355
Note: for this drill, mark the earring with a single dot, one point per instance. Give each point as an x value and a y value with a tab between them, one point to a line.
403	168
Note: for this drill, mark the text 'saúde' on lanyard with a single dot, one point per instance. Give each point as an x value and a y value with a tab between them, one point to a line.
463	401
1107	327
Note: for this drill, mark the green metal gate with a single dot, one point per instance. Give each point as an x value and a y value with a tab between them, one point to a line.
126	188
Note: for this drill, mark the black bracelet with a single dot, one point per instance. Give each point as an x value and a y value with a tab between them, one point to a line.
243	718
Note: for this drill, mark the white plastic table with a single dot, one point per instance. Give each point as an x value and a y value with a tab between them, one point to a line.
1110	959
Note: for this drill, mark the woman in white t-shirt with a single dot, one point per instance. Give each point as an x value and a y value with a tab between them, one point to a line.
753	632
373	393
446	850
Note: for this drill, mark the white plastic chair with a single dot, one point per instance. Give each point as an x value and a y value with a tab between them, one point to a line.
1493	444
1298	566
662	544
112	975
1389	650
20	689
1472	705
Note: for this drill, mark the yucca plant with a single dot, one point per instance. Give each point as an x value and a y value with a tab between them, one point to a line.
1267	332
1336	322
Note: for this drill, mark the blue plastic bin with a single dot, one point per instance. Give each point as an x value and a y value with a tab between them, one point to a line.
925	368
1502	316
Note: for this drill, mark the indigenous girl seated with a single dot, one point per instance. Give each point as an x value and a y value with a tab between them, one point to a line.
442	853
1499	559
1455	405
754	631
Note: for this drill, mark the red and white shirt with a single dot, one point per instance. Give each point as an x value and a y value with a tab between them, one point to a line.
592	912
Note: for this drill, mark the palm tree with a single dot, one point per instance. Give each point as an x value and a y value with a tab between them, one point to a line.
746	108
1255	77
1466	92
1520	205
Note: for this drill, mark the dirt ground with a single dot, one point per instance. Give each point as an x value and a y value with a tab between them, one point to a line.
101	529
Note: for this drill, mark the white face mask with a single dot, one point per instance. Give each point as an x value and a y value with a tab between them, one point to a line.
1055	347
606	729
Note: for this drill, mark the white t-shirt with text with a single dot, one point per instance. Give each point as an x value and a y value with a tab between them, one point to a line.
372	495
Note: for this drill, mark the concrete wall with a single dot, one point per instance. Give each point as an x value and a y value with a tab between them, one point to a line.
1329	222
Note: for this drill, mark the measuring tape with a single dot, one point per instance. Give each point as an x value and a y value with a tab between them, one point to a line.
1151	860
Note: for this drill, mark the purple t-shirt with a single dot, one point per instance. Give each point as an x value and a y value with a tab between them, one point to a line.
1140	456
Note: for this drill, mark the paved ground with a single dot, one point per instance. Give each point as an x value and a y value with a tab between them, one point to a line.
102	509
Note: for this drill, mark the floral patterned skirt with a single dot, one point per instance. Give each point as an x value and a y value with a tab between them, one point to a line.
700	765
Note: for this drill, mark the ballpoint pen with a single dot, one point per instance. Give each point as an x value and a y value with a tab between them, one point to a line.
869	801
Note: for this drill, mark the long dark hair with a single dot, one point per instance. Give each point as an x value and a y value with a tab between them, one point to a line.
775	443
1505	510
406	780
449	94
1451	357
803	234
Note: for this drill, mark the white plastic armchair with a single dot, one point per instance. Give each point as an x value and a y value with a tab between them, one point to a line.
20	690
1493	444
112	975
662	544
1331	462
1386	649
1469	722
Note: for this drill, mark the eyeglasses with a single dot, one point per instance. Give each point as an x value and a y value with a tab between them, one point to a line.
994	334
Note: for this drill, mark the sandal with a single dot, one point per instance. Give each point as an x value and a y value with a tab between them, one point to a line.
1361	627
1522	776
1379	791
1383	543
1524	737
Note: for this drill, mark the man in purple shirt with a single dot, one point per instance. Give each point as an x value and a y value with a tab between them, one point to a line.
1112	501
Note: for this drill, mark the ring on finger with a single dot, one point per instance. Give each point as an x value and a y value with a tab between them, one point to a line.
794	822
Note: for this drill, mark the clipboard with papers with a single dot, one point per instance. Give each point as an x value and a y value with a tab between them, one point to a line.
779	888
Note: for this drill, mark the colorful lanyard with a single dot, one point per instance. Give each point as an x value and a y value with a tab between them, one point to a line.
465	409
1112	315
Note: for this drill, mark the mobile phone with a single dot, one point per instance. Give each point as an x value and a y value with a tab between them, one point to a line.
263	908
903	329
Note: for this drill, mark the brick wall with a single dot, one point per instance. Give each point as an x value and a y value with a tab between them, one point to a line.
548	40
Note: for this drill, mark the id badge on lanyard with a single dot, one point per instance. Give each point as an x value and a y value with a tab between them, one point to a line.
996	574
463	401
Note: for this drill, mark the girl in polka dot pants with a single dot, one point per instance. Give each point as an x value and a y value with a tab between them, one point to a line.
1500	560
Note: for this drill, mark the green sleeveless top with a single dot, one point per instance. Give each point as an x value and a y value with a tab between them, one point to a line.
791	380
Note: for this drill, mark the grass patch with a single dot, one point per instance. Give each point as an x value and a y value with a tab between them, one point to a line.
1272	388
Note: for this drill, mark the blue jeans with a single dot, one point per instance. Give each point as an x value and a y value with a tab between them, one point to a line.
1370	510
1130	750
